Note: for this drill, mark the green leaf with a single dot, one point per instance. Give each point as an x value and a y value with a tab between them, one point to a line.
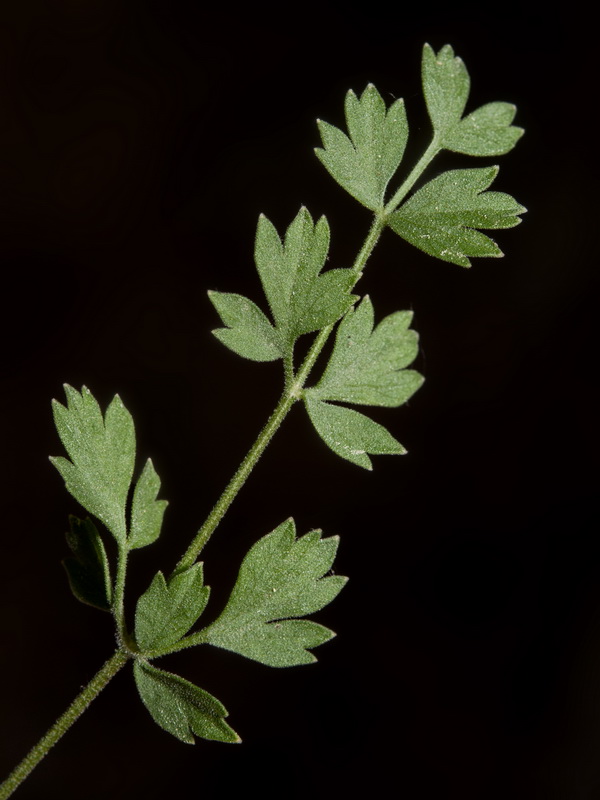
180	707
364	163
167	610
441	218
102	453
87	569
300	298
446	86
485	132
249	332
146	511
350	434
280	577
368	366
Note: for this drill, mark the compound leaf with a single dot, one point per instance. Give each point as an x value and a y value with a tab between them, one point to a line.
146	511
300	298
368	366
181	707
87	569
280	577
485	132
102	453
442	217
168	609
248	333
364	163
349	433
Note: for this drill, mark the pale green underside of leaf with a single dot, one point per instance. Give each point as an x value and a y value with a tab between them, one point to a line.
249	332
180	707
446	87
280	577
349	433
368	366
364	162
146	511
87	569
301	300
441	217
485	132
167	610
102	453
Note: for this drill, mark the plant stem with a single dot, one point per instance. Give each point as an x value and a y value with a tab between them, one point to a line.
357	268
416	172
118	608
236	483
291	394
293	388
63	723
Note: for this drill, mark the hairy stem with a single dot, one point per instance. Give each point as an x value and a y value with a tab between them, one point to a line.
291	393
293	388
63	723
236	483
419	168
118	606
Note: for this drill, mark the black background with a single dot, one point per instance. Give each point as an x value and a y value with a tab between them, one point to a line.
139	143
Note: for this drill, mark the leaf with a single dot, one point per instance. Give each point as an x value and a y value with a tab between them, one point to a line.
350	434
485	132
102	453
167	610
87	569
249	332
442	216
146	511
280	577
446	86
365	163
368	366
180	707
300	298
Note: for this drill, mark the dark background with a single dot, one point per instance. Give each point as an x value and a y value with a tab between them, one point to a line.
139	143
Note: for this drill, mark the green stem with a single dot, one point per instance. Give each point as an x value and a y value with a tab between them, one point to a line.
193	639
293	388
118	606
357	268
63	723
419	168
291	394
236	483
